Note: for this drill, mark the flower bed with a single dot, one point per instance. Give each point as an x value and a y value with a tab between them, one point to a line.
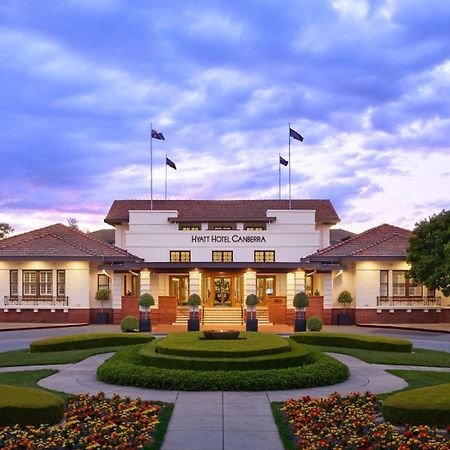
91	422
349	422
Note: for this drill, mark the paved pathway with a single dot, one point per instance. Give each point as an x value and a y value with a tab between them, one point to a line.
218	420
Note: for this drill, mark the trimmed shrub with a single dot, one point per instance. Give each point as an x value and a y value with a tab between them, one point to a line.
129	324
29	406
299	355
83	341
423	406
122	369
379	343
300	300
103	294
194	300
314	323
249	344
145	301
252	300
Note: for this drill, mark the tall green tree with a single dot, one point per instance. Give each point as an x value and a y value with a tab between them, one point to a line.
5	229
429	252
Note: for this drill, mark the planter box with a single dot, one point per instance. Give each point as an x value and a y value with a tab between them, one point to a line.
101	318
193	325
145	325
344	319
300	325
251	325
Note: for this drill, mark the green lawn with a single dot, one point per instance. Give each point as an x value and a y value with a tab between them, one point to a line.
418	357
418	379
26	358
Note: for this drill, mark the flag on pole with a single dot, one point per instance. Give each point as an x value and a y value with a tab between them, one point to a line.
295	135
158	135
283	161
170	163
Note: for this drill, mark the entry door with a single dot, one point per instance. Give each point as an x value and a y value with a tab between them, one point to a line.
265	286
222	291
179	288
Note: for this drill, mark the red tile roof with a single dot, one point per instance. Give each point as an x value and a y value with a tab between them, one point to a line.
221	210
61	242
382	241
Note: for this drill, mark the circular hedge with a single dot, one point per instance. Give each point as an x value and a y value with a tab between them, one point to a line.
29	406
124	369
195	344
423	406
299	354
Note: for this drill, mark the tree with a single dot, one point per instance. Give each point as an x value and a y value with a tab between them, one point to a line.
5	229
429	252
73	223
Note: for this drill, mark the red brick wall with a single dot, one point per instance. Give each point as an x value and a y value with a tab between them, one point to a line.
277	310
336	311
315	307
401	316
167	309
46	316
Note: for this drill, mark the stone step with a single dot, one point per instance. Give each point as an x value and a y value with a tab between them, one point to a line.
222	315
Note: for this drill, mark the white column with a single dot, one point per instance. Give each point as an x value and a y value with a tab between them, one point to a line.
290	289
116	290
327	291
195	286
249	283
145	283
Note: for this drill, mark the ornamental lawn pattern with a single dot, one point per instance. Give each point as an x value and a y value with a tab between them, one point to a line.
91	422
350	423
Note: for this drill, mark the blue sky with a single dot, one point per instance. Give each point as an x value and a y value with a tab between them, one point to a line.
366	83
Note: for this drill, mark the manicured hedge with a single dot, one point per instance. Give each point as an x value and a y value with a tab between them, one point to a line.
380	343
83	341
248	344
122	369
28	406
300	354
423	406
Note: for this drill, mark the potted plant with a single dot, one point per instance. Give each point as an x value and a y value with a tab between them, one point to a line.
102	295
300	304
194	302
145	301
252	322
344	299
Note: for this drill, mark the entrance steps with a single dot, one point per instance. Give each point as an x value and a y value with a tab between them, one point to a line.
222	315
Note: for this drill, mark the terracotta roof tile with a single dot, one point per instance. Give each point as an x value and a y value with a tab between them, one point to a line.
217	210
382	241
60	241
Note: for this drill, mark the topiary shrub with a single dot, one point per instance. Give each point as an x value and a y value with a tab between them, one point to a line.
194	300
424	406
129	324
314	323
300	302
102	295
344	299
251	301
145	301
29	406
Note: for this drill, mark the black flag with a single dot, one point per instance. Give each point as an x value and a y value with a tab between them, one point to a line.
158	135
283	161
295	135
170	163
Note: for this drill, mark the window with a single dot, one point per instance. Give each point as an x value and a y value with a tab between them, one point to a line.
102	281
404	286
61	283
45	282
180	256
264	256
255	226
384	283
13	283
222	256
222	226
190	227
29	282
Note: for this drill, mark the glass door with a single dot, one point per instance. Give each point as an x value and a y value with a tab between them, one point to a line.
265	286
222	291
179	288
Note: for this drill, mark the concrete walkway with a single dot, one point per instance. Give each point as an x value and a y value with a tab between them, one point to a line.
218	420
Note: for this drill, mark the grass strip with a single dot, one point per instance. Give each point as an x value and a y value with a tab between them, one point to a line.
24	357
418	357
283	426
161	429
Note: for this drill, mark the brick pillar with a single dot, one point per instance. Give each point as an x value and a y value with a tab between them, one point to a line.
116	297
327	298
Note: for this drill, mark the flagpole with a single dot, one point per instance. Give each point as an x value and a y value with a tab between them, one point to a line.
151	165
279	176
165	191
290	199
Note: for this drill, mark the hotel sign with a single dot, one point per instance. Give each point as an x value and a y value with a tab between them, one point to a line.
217	238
